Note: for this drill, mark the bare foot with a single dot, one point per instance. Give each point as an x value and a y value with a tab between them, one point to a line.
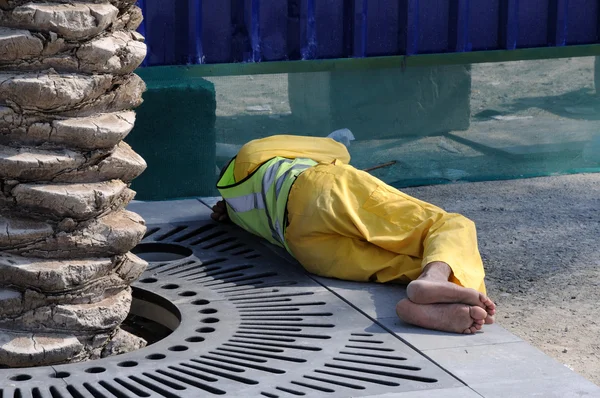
456	318
427	291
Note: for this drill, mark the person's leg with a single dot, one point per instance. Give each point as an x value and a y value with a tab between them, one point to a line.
324	238
334	255
405	225
452	270
347	224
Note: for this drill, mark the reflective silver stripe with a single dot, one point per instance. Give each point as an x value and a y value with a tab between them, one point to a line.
279	185
245	203
268	180
258	201
281	180
279	233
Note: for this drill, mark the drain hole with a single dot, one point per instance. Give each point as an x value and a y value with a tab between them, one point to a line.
219	243
360	347
95	370
127	364
154	387
170	286
114	390
132	388
161	252
335	382
361	378
200	302
149	280
366	341
187	294
208	237
362	354
205	330
60	375
150	232
318	388
231	247
194	233
208	311
178	348
210	320
54	392
290	391
172	232
73	391
182	266
156	357
21	378
95	393
203	266
195	339
240	252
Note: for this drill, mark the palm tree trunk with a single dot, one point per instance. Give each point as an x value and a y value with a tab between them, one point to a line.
66	92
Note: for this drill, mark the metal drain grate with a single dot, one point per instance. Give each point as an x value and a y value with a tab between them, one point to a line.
244	323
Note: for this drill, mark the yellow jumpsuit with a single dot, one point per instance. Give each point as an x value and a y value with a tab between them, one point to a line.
346	224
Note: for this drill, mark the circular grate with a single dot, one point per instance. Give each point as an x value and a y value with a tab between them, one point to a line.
237	321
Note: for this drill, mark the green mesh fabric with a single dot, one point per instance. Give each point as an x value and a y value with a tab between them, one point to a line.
428	124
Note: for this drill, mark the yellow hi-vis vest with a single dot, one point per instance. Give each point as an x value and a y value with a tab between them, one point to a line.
258	202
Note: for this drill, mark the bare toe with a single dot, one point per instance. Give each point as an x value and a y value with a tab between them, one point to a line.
488	304
457	318
477	313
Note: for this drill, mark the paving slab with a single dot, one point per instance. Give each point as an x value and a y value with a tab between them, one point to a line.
424	339
512	370
542	388
460	392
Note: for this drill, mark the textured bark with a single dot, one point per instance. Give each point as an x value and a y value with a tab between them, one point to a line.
67	91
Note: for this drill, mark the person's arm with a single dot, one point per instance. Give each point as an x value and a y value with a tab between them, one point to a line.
255	153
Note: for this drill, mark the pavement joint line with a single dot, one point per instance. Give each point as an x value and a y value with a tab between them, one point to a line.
478	345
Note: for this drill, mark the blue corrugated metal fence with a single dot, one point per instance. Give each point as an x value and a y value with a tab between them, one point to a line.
180	32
